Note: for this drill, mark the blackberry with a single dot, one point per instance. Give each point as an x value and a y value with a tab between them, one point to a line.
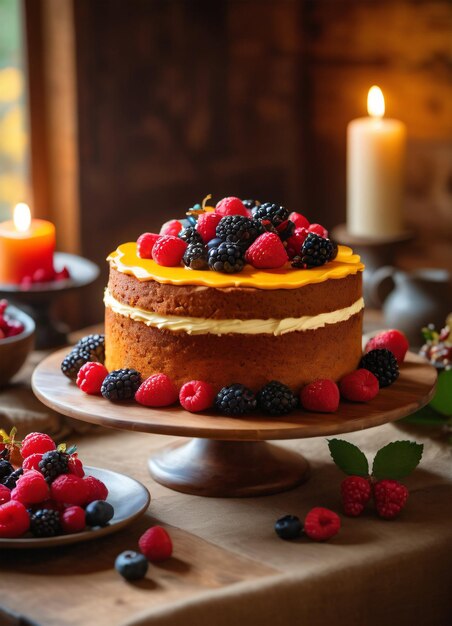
53	464
285	230
315	251
11	480
190	235
239	229
5	469
226	258
235	399
383	365
45	523
74	361
121	384
251	204
195	256
276	399
273	213
94	345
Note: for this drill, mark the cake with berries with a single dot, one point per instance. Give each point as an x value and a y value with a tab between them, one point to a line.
242	293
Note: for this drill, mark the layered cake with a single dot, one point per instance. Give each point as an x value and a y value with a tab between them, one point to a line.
295	322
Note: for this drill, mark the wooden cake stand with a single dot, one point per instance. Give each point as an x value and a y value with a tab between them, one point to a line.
229	457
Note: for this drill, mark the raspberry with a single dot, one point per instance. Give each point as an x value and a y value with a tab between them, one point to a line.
168	251
173	227
5	494
295	242
321	524
390	497
207	225
145	243
267	252
392	340
36	442
196	395
318	230
156	544
75	466
321	396
359	386
356	494
70	489
299	220
96	489
30	488
72	519
14	519
157	390
231	206
90	377
32	462
63	274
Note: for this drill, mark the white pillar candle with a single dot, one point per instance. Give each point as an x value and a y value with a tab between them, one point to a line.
375	172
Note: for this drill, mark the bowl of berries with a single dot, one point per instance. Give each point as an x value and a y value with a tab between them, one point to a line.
17	330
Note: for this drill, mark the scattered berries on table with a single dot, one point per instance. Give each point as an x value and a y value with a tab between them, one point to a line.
99	513
383	365
36	442
172	227
231	206
390	497
359	386
168	251
195	256
299	220
271	213
267	252
393	340
73	362
276	399
239	229
70	489
14	519
288	527
321	396
96	489
321	524
235	400
131	565
196	395
315	251
121	385
30	488
190	235
94	345
53	464
157	390
226	258
156	544
72	519
45	523
207	225
356	493
145	244
90	377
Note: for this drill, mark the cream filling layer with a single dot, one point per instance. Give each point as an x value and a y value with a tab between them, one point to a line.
202	326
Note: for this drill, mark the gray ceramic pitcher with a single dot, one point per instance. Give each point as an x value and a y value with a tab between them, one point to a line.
411	300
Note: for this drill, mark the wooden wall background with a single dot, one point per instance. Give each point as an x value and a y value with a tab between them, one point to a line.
180	98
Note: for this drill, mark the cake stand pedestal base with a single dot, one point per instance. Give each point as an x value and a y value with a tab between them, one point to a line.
228	469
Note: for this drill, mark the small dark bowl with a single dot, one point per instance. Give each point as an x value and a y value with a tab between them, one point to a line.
14	350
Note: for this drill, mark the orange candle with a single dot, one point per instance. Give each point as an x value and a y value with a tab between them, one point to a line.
26	245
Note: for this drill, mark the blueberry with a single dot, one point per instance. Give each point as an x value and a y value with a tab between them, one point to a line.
131	565
288	527
99	513
213	243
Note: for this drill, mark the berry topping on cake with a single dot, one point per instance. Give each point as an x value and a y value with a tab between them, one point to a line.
90	377
94	345
288	527
295	242
231	206
14	519
356	493
196	395
267	252
276	399
172	227
226	258
121	385
168	251
321	396
207	225
318	230
285	230
321	524
235	400
156	544
53	464
270	213
45	523
145	243
131	565
393	340
36	442
383	365
195	256
73	362
315	251
299	220
359	386
190	235
251	204
157	390
390	497
239	229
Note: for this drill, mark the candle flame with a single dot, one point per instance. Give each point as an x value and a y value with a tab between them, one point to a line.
22	217
375	102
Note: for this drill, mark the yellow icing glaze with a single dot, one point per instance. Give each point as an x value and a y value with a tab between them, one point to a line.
126	261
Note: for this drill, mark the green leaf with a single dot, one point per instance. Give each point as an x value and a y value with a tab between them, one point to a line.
348	457
397	459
